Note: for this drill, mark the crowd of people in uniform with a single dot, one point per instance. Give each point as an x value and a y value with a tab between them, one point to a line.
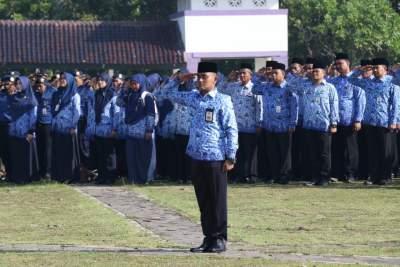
307	122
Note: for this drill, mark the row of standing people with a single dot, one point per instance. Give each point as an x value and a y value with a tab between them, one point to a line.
104	125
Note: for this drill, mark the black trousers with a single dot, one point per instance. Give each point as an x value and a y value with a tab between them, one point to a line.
105	156
5	147
65	157
120	149
381	153
245	156
166	157
44	140
84	143
300	156
319	145
345	153
279	151
363	168
182	160
262	158
210	185
23	157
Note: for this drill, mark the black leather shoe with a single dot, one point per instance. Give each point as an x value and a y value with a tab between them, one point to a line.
201	248
217	246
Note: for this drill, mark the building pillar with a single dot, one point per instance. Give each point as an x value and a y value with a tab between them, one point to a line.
191	62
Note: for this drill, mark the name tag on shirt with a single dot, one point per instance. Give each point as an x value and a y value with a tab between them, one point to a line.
209	115
44	111
278	109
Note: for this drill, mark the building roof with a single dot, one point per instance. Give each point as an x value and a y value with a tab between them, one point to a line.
97	42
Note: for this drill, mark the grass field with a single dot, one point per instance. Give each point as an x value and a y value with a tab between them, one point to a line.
122	260
57	214
339	220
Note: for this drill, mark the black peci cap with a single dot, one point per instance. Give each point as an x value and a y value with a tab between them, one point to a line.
380	61
207	67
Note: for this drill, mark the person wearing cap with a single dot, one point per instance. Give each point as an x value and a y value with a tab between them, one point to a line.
382	114
22	112
248	110
263	170
8	84
184	115
268	69
366	68
212	147
102	128
308	67
351	112
280	112
295	69
44	93
66	110
118	82
361	76
320	119
140	120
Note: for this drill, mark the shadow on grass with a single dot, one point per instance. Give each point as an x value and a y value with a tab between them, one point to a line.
293	185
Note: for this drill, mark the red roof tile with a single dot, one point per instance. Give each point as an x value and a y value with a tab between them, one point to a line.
100	42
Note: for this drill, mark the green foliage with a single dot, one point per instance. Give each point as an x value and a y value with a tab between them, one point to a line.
361	28
86	9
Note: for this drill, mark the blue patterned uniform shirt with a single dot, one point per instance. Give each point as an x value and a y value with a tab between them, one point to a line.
44	115
396	79
167	128
280	108
383	100
351	100
87	98
213	131
146	125
25	124
320	106
108	121
184	115
68	117
247	105
299	85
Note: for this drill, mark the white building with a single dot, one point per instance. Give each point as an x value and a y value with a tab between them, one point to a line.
237	29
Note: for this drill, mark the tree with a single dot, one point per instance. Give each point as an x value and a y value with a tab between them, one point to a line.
361	28
87	9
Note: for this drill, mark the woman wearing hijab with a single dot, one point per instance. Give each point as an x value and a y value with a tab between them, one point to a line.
102	123
44	93
22	109
140	114
66	112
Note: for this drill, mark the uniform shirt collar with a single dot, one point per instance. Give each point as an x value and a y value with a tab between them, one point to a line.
383	79
211	94
283	84
248	85
323	82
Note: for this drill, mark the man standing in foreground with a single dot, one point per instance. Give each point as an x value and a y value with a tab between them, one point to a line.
213	143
